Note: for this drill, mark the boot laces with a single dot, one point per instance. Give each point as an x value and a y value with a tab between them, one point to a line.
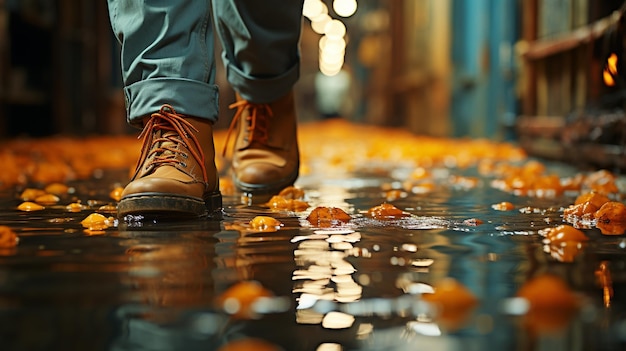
175	130
257	121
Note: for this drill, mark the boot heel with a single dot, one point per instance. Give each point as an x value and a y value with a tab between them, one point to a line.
213	202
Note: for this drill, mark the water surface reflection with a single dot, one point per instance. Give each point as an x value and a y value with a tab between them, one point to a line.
153	285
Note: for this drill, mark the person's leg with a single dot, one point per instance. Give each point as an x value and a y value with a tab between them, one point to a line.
260	42
167	56
169	70
261	54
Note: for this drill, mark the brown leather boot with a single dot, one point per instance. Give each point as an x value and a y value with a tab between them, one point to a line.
265	158
176	173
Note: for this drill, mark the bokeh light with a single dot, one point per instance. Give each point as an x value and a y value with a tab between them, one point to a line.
313	8
345	8
332	45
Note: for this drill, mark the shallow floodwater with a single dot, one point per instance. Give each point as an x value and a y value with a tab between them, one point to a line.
151	284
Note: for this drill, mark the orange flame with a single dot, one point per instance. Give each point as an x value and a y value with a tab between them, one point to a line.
610	70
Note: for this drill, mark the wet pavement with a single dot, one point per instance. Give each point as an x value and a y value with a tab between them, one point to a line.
155	284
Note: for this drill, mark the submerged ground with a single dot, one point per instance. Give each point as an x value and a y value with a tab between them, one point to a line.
396	242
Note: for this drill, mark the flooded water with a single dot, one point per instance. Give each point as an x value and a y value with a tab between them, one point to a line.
149	284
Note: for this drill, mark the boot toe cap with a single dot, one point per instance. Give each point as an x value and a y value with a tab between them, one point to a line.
264	177
259	173
163	186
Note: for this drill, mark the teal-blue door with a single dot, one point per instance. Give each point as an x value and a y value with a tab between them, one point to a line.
483	88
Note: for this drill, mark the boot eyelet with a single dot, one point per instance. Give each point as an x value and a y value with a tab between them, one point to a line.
183	164
184	155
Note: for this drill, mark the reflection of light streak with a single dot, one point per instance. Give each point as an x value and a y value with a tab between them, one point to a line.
337	320
331	296
425	328
329	346
419	288
603	276
325	275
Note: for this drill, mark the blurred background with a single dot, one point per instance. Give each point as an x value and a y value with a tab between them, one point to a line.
545	73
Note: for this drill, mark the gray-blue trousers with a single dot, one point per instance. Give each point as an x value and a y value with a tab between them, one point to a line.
168	55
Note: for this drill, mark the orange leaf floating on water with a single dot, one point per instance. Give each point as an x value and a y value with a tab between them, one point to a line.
277	202
47	199
548	292
454	302
8	238
547	186
30	194
28	206
611	228
57	189
565	233
451	294
324	217
584	210
532	168
595	198
386	211
97	222
291	192
611	218
585	207
565	242
551	303
265	224
290	198
611	211
601	181
249	344
52	171
573	183
238	300
108	208
75	207
530	180
566	252
503	206
116	194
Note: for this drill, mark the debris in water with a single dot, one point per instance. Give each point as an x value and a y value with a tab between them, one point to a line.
29	206
324	217
8	238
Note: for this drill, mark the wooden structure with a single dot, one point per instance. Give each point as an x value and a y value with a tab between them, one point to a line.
88	89
77	86
569	112
418	87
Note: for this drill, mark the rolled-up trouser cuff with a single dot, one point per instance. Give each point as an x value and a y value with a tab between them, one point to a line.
186	96
261	90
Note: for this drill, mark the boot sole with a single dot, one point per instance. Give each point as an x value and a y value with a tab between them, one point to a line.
169	205
266	189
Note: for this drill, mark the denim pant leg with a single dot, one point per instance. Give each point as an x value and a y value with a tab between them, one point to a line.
260	39
167	56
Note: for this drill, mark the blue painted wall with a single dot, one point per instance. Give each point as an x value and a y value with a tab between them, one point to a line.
483	88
